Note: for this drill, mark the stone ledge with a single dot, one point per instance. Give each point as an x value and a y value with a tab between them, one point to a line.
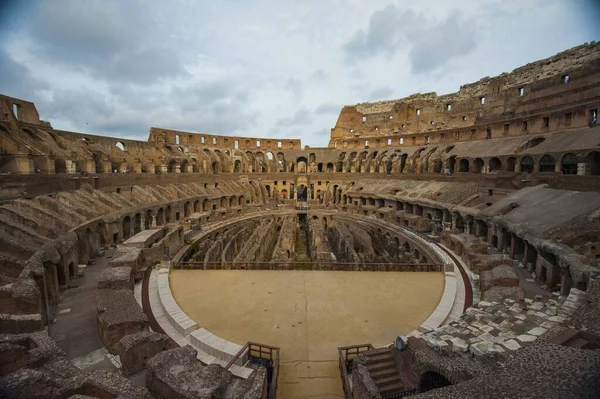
217	346
178	318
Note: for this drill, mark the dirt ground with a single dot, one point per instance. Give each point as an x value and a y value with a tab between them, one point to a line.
308	314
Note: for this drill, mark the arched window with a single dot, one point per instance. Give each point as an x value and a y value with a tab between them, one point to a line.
463	165
547	164
527	164
569	164
495	165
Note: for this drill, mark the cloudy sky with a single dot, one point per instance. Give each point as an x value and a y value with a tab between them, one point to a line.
272	68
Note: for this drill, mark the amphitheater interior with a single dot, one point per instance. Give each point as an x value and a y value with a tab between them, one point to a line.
441	246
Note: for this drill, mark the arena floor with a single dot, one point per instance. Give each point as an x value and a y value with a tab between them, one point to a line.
308	314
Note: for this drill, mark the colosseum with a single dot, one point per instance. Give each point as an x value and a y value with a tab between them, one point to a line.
441	246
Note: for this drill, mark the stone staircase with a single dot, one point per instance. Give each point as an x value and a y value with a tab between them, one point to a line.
382	369
301	250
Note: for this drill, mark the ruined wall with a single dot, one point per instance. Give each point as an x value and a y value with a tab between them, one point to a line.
510	104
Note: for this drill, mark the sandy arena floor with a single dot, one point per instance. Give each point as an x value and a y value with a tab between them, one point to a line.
308	314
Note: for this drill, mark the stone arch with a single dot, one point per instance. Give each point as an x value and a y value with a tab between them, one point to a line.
137	223
568	164
437	166
241	200
237	166
526	164
187	207
329	167
60	166
148	219
168	214
432	380
463	165
403	159
593	161
547	163
302	164
160	217
205	205
478	165
183	167
495	165
126	224
452	163
196	206
215	167
171	166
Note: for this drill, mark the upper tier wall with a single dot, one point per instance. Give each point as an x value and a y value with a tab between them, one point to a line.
541	93
176	137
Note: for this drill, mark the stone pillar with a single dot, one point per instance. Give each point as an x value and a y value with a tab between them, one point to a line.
454	221
566	282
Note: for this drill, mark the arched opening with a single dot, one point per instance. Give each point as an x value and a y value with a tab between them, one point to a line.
495	165
452	163
60	166
237	166
284	194
120	146
268	188
215	167
301	164
160	217
463	165
403	162
569	164
593	161
137	223
126	227
241	200
205	205
148	220
183	167
547	163
329	167
432	380
302	193
171	166
320	167
196	206
187	209
526	164
511	164
437	166
478	165
168	214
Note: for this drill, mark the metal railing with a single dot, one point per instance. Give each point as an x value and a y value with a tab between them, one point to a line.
346	355
263	355
319	265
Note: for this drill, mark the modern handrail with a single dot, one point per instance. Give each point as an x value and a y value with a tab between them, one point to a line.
273	353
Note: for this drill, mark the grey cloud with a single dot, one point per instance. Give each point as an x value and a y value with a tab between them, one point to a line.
295	86
16	79
381	93
301	117
319	75
328	109
432	43
433	46
104	38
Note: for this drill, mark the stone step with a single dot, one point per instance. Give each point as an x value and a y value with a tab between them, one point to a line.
376	351
376	375
392	388
378	358
381	366
389	381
